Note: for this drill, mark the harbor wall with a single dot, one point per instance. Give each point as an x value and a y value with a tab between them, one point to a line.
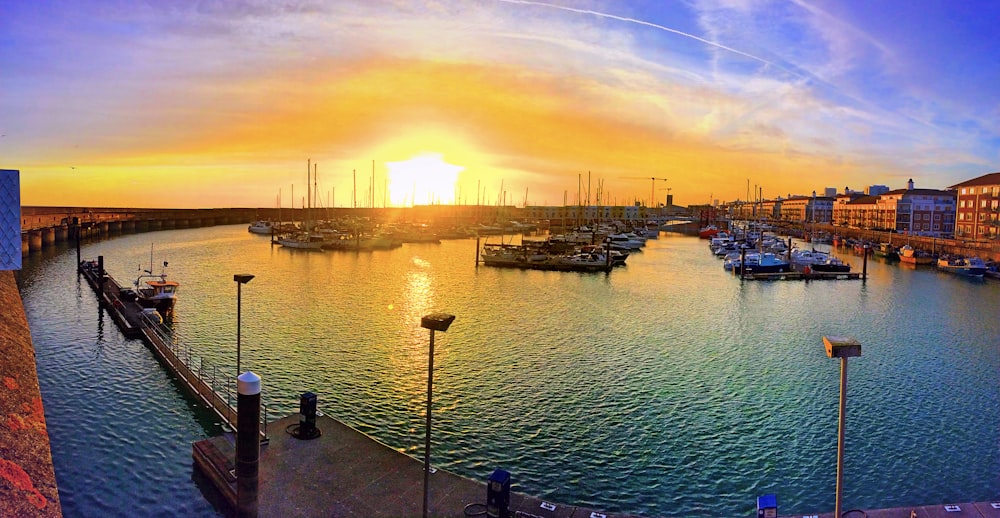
27	476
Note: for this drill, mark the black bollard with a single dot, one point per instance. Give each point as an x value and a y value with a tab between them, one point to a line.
100	271
247	443
75	229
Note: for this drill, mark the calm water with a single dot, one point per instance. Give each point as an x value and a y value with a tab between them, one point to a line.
667	388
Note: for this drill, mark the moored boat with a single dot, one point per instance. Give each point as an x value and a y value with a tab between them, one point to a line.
708	232
765	262
887	251
964	266
908	254
261	227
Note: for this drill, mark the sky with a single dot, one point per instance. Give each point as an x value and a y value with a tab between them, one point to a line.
189	104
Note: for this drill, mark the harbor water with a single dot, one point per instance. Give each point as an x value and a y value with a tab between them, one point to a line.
665	388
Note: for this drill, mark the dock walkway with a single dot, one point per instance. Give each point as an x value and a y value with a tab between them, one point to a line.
214	388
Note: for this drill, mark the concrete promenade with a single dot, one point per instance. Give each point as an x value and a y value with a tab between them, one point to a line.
345	473
27	478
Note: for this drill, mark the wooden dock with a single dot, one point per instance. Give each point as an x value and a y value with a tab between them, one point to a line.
800	276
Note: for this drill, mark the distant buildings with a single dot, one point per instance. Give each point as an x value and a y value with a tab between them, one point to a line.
919	212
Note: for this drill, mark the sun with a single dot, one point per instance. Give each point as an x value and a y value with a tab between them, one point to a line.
424	179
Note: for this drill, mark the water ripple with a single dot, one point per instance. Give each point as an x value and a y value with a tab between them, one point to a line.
667	388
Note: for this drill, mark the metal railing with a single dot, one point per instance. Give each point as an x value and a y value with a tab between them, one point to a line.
215	388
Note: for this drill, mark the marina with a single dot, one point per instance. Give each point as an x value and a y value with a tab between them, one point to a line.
687	414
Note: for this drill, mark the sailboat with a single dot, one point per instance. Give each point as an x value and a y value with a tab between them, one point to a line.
305	240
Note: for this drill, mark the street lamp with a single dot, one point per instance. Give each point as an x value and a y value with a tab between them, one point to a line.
241	279
842	347
434	322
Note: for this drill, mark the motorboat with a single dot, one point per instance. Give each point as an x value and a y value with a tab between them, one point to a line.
261	227
766	262
964	266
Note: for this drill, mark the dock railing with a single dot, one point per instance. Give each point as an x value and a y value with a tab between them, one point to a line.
215	388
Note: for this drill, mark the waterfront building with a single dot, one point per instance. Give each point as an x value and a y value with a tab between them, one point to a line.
852	209
807	209
978	210
921	212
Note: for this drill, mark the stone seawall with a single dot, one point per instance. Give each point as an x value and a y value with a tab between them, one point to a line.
27	477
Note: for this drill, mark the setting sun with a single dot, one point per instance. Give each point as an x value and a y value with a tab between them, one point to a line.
423	179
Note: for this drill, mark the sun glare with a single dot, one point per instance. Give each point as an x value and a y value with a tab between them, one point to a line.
424	179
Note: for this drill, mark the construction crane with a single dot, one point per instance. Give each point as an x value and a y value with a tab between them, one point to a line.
652	187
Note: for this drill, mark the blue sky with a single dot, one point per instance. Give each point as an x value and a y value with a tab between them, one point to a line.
222	103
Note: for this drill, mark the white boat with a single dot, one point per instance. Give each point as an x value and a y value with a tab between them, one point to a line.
261	227
800	257
624	240
303	241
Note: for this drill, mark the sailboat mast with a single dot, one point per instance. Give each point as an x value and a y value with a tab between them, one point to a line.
308	193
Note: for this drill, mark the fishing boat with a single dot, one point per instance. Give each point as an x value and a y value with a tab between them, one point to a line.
908	254
887	251
154	291
964	266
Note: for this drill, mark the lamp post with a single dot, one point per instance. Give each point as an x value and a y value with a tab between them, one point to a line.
240	279
842	347
434	322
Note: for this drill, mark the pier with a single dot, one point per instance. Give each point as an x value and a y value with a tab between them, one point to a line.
213	387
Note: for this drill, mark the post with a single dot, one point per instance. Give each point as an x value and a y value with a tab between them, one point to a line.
239	311
843	348
427	434
240	279
864	264
434	322
840	435
477	249
75	226
247	444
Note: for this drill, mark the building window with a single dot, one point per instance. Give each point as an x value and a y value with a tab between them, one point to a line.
982	204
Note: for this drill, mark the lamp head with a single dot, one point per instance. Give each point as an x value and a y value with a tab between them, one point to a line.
242	278
437	321
842	346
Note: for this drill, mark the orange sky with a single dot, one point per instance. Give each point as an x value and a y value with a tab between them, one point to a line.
534	102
